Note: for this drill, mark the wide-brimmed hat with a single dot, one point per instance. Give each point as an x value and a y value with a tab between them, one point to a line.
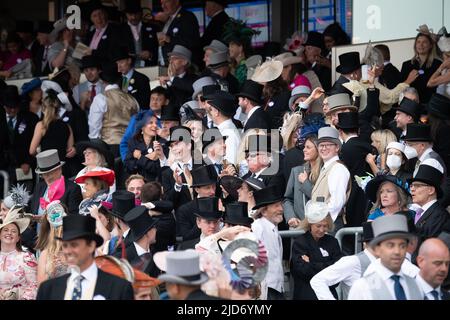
210	136
181	267
315	39
218	60
90	62
338	102
288	58
348	120
140	221
97	144
252	90
105	175
374	184
268	71
180	133
328	134
390	227
122	52
429	175
58	26
170	112
252	63
181	52
208	208
225	102
122	203
297	92
47	161
216	46
77	226
29	86
199	84
410	107
267	196
349	62
316	211
439	106
258	143
203	176
418	132
132	6
237	213
11	97
14	216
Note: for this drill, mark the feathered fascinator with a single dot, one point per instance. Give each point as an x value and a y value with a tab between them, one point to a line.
295	43
423	29
373	56
18	197
238	31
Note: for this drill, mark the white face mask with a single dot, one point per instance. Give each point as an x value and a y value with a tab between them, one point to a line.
393	162
410	152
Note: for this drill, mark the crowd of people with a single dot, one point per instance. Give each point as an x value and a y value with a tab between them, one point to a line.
123	191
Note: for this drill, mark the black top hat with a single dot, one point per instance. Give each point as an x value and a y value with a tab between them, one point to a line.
251	90
258	142
225	102
139	221
209	90
348	120
77	226
349	62
439	106
418	132
236	213
180	133
367	234
210	136
170	112
122	202
90	62
203	176
123	52
45	27
208	208
110	74
267	196
231	184
409	107
101	146
429	175
315	39
11	97
374	184
25	26
132	6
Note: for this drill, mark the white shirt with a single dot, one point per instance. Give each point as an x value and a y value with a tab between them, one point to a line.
139	250
426	288
252	111
180	166
267	232
346	270
125	233
87	284
349	137
338	179
77	94
227	128
362	291
409	268
429	161
97	111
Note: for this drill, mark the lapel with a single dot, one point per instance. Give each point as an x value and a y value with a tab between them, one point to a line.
100	287
426	215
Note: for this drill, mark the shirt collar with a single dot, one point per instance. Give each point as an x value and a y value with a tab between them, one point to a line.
125	233
90	274
369	254
138	26
427	206
269	224
351	136
176	12
252	111
425	153
111	87
425	286
225	125
129	74
139	250
385	273
329	162
216	13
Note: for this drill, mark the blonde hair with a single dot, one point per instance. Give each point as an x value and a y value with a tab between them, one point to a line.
385	137
315	171
402	198
431	55
50	107
46	238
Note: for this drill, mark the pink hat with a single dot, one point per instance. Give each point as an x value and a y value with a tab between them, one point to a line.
300	80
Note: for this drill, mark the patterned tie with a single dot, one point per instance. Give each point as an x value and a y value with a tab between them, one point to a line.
398	289
76	295
435	294
93	92
419	212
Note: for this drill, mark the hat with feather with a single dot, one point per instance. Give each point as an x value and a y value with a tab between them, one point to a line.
238	31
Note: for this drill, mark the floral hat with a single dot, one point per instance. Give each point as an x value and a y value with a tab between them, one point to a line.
374	184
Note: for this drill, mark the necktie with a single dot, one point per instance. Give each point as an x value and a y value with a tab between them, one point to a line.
419	212
76	295
219	167
398	289
435	294
93	92
11	123
416	168
124	84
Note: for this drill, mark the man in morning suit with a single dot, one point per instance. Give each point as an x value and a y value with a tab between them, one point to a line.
215	9
250	102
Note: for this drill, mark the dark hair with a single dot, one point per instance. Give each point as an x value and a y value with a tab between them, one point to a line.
142	123
336	32
151	191
19	243
14	38
99	183
436	125
109	217
297	68
160	90
274	88
384	49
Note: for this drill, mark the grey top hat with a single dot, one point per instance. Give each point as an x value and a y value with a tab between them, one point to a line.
218	59
445	236
199	84
389	227
339	101
182	52
329	134
297	92
47	161
181	267
216	46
